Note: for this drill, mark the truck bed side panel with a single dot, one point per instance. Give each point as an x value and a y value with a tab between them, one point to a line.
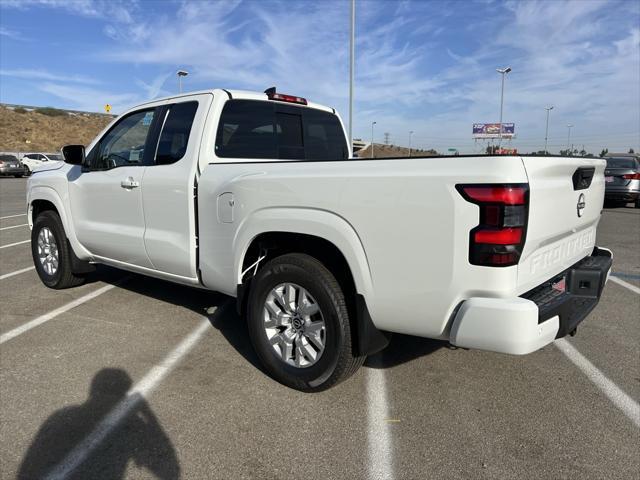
412	223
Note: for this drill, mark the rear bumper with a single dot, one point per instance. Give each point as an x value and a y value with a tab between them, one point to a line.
627	193
11	170
622	196
527	323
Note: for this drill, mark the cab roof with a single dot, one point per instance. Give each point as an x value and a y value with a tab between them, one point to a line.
236	94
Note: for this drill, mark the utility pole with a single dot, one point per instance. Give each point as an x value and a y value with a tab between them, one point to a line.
352	71
410	134
546	132
503	72
386	138
372	124
569	136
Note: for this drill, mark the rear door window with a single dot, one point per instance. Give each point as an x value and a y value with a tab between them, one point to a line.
256	129
246	130
174	137
324	137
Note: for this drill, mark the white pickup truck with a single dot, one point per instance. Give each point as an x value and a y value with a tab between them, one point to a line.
255	195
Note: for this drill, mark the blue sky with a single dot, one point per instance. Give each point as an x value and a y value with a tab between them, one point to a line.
426	66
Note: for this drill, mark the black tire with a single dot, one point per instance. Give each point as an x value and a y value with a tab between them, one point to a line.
19	175
27	171
637	204
63	277
338	360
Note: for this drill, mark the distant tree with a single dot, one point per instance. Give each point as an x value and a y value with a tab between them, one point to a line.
51	112
631	150
20	110
604	152
583	153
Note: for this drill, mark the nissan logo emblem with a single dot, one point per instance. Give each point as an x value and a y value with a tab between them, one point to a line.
581	204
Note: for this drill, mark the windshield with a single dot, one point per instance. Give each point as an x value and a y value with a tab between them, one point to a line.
618	162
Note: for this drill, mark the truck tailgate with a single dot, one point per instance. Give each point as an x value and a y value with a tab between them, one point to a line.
563	215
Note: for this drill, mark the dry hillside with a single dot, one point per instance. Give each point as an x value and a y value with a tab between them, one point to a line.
381	150
30	131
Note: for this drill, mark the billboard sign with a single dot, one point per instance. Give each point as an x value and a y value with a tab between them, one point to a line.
492	130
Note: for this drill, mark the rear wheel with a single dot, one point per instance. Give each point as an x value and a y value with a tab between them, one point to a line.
52	253
27	171
299	324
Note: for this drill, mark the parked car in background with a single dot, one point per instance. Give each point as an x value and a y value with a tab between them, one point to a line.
622	180
33	160
10	165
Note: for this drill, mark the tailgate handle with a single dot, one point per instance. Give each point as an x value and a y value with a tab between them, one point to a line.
582	177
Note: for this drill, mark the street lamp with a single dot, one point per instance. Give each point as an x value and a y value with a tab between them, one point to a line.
410	133
181	73
503	72
546	131
569	135
372	124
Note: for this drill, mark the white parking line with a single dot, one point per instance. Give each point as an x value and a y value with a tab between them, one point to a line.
17	272
142	389
14	244
14	226
378	434
14	216
620	399
619	281
5	337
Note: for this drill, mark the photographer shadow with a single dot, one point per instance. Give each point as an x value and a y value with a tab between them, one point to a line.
138	436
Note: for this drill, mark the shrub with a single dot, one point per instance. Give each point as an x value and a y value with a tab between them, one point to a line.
20	110
51	112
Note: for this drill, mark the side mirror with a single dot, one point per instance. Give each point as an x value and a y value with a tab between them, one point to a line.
73	154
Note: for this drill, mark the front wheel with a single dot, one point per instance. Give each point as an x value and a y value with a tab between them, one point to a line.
52	253
299	324
27	171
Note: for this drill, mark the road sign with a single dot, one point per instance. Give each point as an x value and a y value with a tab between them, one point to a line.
107	108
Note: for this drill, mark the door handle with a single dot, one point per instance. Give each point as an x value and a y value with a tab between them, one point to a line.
129	183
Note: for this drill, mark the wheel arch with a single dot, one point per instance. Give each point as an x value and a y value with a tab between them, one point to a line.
43	198
324	236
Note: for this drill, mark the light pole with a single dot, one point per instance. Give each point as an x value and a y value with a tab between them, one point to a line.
503	72
410	133
180	74
569	136
546	131
372	124
352	69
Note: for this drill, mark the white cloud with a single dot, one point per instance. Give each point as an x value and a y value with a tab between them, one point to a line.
10	33
91	99
154	89
40	74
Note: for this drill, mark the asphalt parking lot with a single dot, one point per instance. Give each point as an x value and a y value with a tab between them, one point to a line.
131	377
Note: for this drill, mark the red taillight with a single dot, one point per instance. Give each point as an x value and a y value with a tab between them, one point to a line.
499	238
281	97
631	176
506	195
503	236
